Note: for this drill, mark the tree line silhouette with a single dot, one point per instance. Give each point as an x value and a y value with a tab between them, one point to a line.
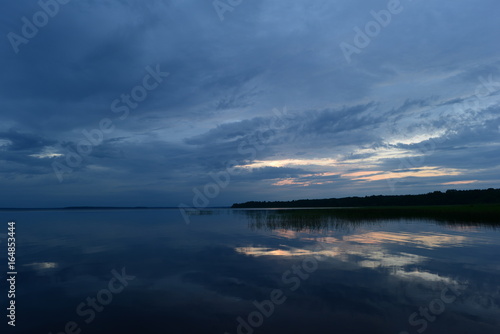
450	197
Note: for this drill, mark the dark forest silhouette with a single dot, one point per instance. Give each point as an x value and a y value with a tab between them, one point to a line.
450	197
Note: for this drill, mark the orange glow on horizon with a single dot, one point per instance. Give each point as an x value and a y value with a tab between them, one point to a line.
459	182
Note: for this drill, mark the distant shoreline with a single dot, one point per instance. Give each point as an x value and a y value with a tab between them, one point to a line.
436	198
451	207
103	208
451	198
293	217
489	213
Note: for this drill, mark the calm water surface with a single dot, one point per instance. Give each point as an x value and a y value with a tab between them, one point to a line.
237	271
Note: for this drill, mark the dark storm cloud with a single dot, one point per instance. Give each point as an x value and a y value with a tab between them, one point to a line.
343	126
24	141
418	78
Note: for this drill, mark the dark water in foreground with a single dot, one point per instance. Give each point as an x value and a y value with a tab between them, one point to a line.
148	272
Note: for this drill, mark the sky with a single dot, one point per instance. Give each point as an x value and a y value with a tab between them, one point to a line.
208	103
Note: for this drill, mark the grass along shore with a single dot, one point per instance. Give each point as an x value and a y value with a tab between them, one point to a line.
481	214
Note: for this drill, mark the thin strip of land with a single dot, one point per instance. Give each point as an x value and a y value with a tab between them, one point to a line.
317	218
436	198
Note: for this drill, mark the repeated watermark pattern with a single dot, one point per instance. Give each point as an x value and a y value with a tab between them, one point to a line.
223	6
87	310
30	27
246	148
292	279
464	110
120	106
434	309
363	37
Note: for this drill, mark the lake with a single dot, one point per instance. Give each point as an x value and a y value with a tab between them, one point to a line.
250	271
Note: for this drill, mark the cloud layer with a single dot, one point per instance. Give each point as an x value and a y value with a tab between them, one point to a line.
267	89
